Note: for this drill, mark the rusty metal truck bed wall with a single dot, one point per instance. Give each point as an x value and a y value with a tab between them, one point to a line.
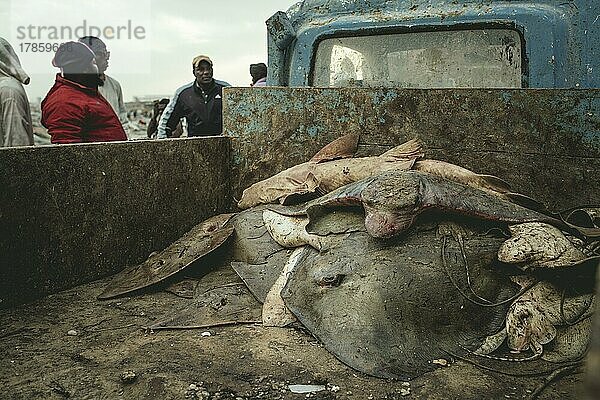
546	143
73	213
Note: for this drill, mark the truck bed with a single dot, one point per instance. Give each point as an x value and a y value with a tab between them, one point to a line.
43	358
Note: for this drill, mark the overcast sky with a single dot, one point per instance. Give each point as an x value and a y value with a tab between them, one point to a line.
170	34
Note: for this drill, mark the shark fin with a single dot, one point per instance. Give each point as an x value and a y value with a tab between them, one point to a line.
409	150
497	184
342	147
308	190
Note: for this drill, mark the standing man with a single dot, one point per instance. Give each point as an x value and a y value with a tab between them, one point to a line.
73	110
110	88
258	72
199	102
15	115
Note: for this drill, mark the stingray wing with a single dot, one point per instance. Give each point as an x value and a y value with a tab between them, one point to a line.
451	196
198	242
448	195
325	222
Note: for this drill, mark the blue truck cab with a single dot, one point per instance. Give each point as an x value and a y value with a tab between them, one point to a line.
436	44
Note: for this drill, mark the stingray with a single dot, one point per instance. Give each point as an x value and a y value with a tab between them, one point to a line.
200	241
539	245
329	169
394	199
388	308
547	320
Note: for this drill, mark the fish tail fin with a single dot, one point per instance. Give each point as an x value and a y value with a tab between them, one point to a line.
527	202
496	184
412	149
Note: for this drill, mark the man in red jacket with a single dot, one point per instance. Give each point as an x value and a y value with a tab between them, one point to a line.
73	110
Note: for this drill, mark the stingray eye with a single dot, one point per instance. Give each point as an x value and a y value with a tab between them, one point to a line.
331	281
211	228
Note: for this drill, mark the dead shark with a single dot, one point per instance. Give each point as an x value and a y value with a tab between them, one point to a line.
331	168
394	199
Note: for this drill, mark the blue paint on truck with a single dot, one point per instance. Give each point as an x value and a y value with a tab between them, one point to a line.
558	49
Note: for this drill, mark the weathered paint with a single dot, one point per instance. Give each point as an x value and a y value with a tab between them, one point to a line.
546	143
560	37
70	214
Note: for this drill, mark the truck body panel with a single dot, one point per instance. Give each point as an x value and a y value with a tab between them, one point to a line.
559	38
72	214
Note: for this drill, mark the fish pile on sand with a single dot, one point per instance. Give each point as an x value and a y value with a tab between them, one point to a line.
395	261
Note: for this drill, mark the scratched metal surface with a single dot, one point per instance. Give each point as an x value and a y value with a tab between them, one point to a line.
546	143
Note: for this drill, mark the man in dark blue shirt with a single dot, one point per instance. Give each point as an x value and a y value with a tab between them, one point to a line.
199	102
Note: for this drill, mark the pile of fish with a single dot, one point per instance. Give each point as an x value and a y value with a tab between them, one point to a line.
396	261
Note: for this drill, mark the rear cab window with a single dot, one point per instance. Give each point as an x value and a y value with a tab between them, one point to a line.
469	58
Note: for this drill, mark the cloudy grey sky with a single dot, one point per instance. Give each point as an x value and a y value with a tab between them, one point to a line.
231	32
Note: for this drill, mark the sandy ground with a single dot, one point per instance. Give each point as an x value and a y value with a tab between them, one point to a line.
70	345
